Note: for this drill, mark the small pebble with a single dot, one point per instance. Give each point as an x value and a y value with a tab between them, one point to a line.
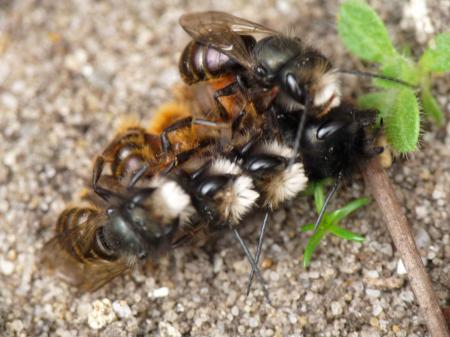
253	322
407	296
396	328
16	325
373	274
422	238
6	267
101	314
168	330
266	263
374	322
373	292
401	270
336	308
121	309
377	309
160	292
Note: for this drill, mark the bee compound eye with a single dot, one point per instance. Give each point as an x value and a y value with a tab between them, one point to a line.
212	185
327	129
263	163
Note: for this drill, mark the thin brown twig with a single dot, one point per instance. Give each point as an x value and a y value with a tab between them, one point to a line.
400	231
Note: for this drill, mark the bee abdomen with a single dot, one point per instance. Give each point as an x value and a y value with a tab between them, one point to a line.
69	220
199	63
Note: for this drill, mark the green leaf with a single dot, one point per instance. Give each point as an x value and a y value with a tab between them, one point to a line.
363	32
307	228
403	121
400	112
372	100
436	57
345	234
311	246
398	67
431	107
352	206
319	196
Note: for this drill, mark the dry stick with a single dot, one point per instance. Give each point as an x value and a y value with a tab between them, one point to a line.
400	231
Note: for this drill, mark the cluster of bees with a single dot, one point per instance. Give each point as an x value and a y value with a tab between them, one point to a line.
260	118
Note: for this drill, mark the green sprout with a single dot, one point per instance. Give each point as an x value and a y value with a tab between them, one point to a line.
364	34
329	223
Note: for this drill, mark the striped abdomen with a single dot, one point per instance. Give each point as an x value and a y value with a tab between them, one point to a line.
77	230
131	150
199	62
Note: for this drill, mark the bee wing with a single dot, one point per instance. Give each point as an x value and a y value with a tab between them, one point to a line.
97	274
69	254
223	31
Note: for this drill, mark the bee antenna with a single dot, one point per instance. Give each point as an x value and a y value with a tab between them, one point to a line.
327	201
262	231
252	263
298	136
373	75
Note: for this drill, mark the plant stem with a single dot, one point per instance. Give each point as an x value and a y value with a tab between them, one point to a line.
400	231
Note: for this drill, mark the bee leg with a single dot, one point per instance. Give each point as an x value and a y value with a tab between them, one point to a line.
373	151
97	172
138	175
183	157
330	195
228	90
262	231
272	121
252	263
180	159
180	124
236	123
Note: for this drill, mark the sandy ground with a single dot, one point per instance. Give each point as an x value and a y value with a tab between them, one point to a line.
70	71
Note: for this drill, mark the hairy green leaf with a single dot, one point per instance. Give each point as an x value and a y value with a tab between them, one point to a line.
403	121
398	67
375	100
431	107
363	32
400	112
437	57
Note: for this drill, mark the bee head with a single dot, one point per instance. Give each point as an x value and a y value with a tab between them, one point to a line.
144	222
336	142
308	82
223	192
271	54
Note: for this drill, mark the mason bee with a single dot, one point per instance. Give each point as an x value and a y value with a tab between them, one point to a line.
224	44
94	244
150	151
